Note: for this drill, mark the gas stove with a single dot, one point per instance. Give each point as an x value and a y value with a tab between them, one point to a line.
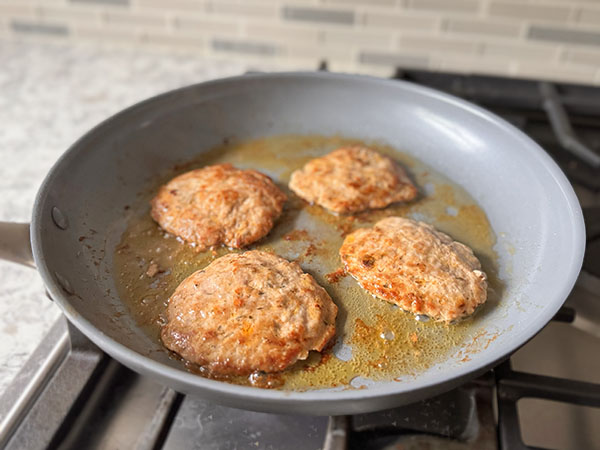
70	395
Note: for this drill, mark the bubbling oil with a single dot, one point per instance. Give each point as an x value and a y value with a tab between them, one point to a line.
374	339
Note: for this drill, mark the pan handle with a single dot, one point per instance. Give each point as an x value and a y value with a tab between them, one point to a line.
15	245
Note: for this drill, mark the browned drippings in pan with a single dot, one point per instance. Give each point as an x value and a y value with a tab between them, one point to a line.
374	339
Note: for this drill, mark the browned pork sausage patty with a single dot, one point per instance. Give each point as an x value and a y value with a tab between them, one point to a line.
352	179
248	312
416	267
218	205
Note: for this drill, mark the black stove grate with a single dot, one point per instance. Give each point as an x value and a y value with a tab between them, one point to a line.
511	386
551	114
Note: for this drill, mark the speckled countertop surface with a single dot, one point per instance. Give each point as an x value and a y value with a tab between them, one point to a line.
50	95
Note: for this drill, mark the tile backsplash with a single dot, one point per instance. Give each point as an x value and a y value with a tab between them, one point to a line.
554	39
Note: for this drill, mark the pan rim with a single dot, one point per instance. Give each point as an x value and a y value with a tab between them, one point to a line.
131	358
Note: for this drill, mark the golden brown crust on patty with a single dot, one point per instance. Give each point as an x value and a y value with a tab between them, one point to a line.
352	179
248	312
218	205
416	267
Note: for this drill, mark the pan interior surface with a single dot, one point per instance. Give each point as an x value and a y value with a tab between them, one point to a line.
529	204
375	340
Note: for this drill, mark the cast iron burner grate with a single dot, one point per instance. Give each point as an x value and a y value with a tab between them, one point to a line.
564	119
71	395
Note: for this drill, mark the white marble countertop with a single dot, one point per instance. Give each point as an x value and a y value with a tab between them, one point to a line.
50	94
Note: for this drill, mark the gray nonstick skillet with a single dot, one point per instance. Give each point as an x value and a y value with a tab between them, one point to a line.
529	202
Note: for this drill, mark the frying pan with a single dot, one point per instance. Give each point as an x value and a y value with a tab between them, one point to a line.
527	199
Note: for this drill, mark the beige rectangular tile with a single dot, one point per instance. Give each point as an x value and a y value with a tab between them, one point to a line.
281	32
314	15
26	26
171	5
342	67
387	3
34	3
393	59
320	52
244	9
69	13
570	2
472	66
481	27
305	63
450	6
243	46
522	10
135	18
564	35
583	57
95	33
375	70
173	41
438	44
294	64
207	24
519	51
359	37
103	2
10	8
306	2
275	2
589	16
548	72
398	20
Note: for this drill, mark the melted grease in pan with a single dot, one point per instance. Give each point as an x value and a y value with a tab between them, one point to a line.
384	342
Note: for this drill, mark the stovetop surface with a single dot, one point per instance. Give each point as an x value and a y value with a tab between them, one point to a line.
77	397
